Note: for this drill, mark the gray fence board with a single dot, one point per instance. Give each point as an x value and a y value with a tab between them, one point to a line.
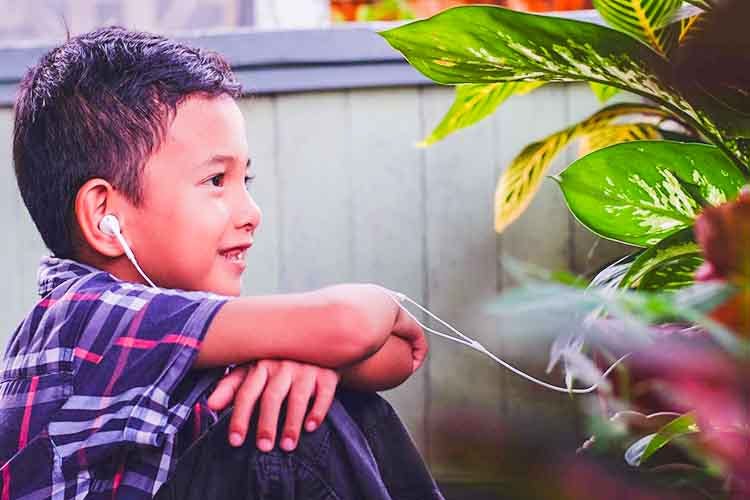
22	247
541	237
388	224
461	253
315	182
263	271
591	252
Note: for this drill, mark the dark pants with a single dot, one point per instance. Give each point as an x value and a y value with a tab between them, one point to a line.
361	451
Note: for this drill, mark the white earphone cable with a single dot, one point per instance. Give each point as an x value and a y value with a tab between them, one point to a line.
469	342
131	257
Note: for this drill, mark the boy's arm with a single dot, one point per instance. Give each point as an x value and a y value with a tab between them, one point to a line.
331	327
401	355
386	369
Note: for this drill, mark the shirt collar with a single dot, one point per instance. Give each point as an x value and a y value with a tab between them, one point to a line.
54	271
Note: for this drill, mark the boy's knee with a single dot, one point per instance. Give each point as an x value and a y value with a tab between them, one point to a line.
367	408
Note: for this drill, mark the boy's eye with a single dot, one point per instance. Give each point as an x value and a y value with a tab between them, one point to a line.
217	180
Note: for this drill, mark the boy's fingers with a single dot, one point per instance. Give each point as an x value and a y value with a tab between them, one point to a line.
225	390
419	349
296	407
324	394
407	328
270	405
244	402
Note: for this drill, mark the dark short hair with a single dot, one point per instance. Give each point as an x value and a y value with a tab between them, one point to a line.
97	107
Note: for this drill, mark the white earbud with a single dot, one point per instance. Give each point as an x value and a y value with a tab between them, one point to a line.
110	225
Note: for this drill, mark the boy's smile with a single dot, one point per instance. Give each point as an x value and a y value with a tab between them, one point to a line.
197	219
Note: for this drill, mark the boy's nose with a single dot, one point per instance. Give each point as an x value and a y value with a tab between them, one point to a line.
250	215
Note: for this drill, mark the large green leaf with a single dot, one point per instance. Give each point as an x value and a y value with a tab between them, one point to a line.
474	103
521	179
642	19
668	265
486	44
639	192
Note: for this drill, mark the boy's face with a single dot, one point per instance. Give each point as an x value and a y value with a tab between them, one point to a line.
197	218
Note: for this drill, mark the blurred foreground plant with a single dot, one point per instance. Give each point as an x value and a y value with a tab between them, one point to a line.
679	408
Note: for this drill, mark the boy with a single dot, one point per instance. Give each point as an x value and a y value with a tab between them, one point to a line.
105	384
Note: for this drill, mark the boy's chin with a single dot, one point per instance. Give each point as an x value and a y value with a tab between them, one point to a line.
228	289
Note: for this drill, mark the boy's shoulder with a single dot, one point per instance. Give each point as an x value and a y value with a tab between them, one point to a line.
82	310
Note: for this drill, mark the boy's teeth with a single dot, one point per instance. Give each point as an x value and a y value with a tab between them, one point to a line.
235	256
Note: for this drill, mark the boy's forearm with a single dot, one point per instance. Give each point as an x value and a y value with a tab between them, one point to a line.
306	327
387	368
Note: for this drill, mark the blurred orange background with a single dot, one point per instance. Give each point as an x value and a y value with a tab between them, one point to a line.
351	10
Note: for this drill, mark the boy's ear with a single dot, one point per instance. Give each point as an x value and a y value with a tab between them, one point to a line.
94	200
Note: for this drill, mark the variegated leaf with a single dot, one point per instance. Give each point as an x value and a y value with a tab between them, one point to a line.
615	134
521	179
641	19
671	276
637	192
485	44
678	253
474	103
603	92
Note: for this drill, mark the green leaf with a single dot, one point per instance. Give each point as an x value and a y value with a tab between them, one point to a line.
641	19
668	265
520	181
680	426
603	92
474	103
631	192
672	275
486	44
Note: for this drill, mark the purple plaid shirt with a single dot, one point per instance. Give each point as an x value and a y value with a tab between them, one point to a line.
97	399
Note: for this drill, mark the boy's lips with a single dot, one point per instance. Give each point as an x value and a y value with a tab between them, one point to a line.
236	254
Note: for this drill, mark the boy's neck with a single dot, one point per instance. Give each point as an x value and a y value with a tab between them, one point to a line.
119	267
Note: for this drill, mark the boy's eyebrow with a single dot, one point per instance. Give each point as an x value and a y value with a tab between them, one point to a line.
223	159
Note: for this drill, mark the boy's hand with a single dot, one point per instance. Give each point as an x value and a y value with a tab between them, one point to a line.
276	380
408	329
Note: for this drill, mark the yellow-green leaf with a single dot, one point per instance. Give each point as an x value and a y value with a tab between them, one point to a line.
689	27
615	134
475	102
520	181
603	92
641	19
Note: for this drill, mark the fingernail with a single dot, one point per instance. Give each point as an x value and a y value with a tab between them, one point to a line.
310	425
287	444
235	439
265	444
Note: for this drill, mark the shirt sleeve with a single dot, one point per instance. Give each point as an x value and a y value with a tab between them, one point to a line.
133	382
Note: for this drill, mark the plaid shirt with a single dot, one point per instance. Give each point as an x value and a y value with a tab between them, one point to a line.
97	399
